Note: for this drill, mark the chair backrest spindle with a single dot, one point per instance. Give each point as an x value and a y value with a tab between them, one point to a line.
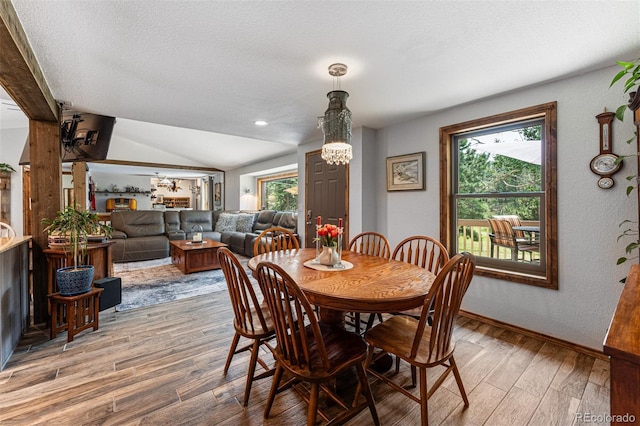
371	243
275	239
292	313
246	306
445	298
423	251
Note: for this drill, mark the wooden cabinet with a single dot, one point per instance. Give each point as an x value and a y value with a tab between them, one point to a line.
177	202
14	293
98	255
622	344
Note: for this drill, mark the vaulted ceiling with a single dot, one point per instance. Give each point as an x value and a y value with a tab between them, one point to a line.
188	78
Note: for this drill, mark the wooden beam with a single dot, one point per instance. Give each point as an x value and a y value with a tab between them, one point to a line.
79	172
21	75
46	184
157	165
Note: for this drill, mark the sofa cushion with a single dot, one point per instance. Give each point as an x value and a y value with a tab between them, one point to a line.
276	218
235	241
138	223
245	222
226	222
289	221
264	220
191	218
171	221
141	248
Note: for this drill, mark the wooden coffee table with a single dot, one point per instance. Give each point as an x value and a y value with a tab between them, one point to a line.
195	257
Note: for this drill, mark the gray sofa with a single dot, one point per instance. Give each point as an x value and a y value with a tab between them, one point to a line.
145	234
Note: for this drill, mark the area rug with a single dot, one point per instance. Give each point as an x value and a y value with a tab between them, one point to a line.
158	281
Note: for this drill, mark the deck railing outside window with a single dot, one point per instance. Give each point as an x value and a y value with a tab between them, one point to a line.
473	236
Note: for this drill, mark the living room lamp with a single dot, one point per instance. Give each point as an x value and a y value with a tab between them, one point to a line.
336	122
164	182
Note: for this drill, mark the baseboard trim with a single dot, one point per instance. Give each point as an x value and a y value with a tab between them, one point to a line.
554	340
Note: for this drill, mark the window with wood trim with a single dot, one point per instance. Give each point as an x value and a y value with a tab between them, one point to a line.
498	194
278	192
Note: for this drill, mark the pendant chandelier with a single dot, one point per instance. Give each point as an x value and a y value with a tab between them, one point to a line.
162	183
336	122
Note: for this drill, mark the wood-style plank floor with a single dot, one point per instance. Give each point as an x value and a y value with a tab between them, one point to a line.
163	365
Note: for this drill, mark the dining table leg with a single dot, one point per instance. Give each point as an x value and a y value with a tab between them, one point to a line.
331	316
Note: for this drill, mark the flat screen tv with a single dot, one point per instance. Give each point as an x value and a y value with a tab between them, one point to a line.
85	136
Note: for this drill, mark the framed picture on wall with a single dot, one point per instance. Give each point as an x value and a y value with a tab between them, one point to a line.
217	194
406	172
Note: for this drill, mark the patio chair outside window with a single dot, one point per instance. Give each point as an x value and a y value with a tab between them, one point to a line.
503	235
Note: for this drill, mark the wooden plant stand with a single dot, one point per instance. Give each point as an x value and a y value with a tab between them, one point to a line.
74	313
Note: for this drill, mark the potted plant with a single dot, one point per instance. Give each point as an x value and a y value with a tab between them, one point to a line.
74	226
6	168
630	74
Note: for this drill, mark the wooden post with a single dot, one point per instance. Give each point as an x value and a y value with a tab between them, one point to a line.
79	172
46	178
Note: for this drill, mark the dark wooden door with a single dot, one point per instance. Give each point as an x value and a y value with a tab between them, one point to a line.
327	195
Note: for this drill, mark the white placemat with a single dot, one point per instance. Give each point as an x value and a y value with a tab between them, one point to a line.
320	267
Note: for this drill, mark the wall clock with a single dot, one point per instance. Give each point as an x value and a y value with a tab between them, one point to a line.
606	163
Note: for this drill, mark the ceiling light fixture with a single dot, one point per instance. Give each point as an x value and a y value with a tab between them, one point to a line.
164	182
336	122
260	123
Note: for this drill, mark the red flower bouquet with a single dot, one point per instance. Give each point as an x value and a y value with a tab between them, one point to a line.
328	234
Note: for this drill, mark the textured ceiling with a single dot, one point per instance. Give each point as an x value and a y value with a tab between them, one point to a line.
216	66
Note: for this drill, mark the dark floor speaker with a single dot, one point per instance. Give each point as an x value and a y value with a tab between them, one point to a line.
112	294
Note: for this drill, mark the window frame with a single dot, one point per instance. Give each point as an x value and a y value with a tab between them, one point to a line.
269	178
547	278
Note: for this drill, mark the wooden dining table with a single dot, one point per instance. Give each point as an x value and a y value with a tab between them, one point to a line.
374	284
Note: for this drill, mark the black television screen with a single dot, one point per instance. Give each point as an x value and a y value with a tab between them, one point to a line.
85	136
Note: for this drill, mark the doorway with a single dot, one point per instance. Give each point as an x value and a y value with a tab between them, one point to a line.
327	195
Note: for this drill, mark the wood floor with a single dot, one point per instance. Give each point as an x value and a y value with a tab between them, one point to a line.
163	365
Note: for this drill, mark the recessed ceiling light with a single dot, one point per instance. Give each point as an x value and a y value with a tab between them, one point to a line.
260	123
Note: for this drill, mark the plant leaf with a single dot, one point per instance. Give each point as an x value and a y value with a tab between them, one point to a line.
621	260
618	77
620	112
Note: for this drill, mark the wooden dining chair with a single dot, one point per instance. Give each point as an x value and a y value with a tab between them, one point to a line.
426	252
423	345
373	244
252	319
6	231
274	239
311	351
423	251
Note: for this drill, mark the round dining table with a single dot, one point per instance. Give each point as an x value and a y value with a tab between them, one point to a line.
373	284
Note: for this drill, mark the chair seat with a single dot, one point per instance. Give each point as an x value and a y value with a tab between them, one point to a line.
344	348
258	332
396	336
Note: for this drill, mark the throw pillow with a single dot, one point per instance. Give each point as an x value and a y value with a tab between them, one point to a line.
226	222
245	222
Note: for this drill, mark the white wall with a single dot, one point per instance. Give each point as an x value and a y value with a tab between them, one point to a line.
12	142
588	217
237	180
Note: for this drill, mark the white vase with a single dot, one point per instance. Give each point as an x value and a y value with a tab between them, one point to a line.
329	256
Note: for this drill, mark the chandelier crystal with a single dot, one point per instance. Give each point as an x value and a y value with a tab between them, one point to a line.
336	123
